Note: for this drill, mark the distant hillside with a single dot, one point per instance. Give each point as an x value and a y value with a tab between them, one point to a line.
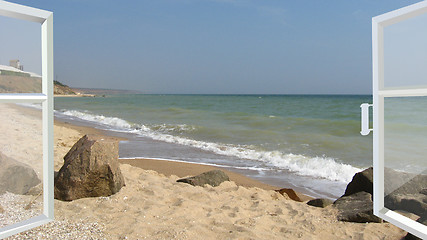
100	91
19	83
62	89
13	80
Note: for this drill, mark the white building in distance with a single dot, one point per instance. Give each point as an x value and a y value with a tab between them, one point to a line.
16	64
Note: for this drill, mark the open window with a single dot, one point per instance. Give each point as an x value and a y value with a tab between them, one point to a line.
399	41
21	86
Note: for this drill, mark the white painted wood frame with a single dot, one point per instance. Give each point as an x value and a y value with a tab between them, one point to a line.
379	93
45	18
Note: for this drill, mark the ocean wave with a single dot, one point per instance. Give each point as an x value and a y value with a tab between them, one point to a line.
319	167
113	122
172	128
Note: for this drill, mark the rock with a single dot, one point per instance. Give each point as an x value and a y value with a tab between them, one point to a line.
290	193
403	183
16	177
357	207
213	178
362	181
1	209
320	202
405	191
91	169
414	203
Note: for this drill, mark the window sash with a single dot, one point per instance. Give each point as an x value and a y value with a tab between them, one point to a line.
45	18
379	93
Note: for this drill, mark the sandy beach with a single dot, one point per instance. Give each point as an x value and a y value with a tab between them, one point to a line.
153	205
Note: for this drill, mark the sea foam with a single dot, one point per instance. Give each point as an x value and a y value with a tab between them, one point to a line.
318	167
111	122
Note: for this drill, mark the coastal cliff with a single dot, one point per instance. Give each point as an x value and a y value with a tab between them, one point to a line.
27	84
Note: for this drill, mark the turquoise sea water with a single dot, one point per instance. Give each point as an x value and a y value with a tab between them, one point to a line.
315	138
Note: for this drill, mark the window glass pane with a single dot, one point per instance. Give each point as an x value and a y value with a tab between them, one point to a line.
20	56
405	155
405	53
21	162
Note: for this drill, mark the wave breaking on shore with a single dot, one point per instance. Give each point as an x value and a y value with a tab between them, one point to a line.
317	167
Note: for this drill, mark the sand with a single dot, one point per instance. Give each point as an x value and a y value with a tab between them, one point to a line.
153	205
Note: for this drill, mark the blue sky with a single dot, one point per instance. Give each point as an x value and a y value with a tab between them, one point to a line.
209	46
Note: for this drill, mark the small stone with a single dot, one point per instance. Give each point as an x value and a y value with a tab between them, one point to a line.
1	209
290	193
213	178
320	202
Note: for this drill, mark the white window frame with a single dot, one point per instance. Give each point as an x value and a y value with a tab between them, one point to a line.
45	18
379	93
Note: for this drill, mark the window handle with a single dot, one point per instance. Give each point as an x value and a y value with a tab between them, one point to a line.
365	119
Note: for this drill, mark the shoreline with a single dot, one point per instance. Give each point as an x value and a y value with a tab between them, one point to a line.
286	182
178	168
183	169
181	164
154	205
166	167
75	95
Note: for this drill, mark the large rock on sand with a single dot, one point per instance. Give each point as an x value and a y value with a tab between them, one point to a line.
16	177
406	191
357	207
213	178
362	181
91	169
403	191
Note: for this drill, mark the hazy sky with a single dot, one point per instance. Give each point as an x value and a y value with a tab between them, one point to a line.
208	46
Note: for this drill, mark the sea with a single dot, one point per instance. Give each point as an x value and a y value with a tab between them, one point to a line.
311	143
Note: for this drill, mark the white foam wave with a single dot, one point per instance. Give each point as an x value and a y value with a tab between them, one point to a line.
170	128
109	121
320	167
